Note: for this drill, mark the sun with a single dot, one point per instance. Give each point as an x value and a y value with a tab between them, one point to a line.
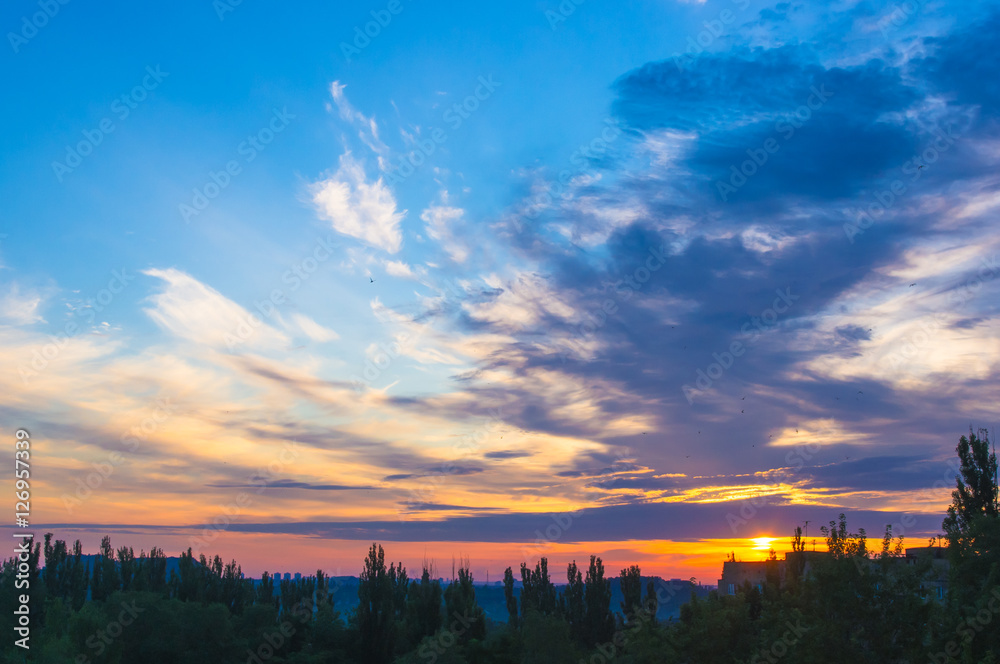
762	543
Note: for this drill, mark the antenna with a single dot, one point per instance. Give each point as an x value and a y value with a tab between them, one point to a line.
807	528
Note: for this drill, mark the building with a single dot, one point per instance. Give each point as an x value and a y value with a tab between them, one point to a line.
757	573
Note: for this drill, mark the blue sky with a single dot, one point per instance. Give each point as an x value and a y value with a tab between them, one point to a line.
631	265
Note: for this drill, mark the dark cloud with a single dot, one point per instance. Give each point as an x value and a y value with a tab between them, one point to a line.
443	470
964	64
724	262
508	454
854	333
887	473
647	521
258	482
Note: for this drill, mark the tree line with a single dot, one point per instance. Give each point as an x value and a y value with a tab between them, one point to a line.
856	603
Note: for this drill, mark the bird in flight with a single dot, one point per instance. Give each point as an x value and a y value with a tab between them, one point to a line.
370	280
920	166
913	284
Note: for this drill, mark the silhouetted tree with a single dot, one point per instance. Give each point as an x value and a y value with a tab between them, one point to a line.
511	600
462	609
972	527
597	597
105	579
631	581
572	604
423	613
537	592
376	608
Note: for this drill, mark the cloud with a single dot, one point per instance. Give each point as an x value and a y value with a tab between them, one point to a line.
20	308
259	482
191	310
400	269
440	221
312	329
508	454
646	521
359	209
367	126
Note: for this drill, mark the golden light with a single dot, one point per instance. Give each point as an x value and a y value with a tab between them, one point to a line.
762	543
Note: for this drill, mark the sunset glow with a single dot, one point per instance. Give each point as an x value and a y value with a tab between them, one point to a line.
498	285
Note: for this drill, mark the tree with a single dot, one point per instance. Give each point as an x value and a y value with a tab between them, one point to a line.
508	593
973	531
597	597
976	493
537	592
423	613
462	609
631	580
652	602
572	604
973	517
105	578
380	601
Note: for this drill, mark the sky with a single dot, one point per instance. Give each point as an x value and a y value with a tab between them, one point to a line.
657	281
